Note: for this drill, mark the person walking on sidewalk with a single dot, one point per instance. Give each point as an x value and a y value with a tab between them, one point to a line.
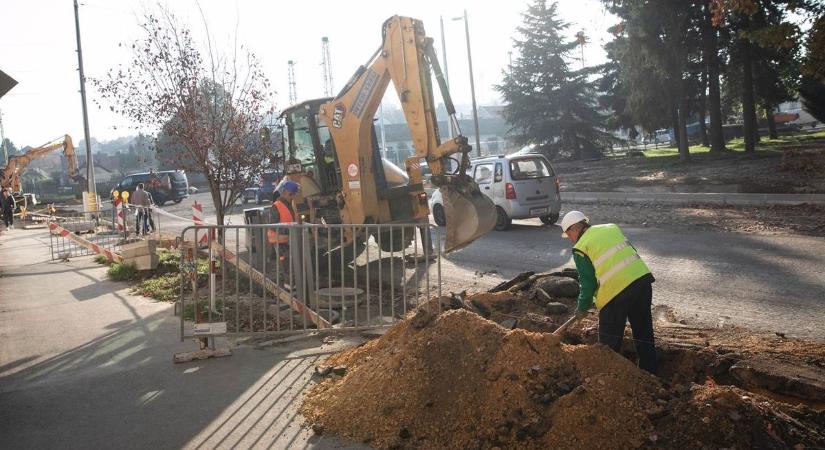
612	272
7	206
141	200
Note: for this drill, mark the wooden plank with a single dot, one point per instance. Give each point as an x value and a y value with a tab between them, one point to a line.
205	353
505	285
256	276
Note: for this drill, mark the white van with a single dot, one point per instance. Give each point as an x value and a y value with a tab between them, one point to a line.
522	186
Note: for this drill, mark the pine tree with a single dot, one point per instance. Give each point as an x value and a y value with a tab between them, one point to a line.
548	103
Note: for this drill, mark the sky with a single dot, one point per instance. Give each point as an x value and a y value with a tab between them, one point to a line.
38	48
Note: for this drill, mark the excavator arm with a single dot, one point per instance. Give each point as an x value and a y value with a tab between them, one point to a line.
17	164
406	58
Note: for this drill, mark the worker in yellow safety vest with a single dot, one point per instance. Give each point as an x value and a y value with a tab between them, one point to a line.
282	212
612	272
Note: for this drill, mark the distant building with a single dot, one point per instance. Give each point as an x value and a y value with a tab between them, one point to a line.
102	174
493	133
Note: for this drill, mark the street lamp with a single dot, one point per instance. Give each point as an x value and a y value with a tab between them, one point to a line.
472	83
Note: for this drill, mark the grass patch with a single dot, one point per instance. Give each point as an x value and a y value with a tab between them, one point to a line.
102	260
738	144
165	288
164	282
122	272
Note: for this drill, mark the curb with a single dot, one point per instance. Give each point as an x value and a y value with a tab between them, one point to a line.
702	197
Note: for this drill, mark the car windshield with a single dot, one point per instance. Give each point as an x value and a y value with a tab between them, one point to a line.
527	168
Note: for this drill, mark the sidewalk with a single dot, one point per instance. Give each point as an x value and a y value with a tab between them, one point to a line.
723	198
85	364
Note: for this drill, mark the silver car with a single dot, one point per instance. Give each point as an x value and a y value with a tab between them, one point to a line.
522	186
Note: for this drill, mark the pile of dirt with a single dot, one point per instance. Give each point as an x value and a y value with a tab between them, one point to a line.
456	380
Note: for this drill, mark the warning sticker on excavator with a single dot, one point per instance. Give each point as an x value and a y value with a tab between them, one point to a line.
352	170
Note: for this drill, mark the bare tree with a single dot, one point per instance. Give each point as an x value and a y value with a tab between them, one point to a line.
209	113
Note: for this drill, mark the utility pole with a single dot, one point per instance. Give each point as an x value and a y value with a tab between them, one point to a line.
3	140
90	167
472	82
326	62
293	93
446	72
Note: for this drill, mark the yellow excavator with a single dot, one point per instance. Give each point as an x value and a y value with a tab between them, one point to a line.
330	148
11	173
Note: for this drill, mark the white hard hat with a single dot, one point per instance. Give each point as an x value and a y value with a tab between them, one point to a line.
570	219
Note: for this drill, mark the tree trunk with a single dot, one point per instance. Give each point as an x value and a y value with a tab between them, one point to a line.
674	122
703	103
684	145
748	101
710	55
771	122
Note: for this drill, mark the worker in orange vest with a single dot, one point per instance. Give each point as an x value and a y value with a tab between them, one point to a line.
282	212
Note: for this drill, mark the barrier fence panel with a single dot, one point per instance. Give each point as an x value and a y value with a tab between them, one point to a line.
294	278
88	233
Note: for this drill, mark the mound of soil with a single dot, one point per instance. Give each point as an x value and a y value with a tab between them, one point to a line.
456	380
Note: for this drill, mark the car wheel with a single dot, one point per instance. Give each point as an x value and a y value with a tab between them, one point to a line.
439	216
502	221
160	201
178	200
549	219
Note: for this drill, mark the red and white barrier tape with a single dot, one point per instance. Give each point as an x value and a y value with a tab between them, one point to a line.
62	232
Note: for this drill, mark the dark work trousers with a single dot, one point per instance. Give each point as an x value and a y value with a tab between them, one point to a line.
633	304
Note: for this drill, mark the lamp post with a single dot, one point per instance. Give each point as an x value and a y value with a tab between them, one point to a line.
472	83
446	71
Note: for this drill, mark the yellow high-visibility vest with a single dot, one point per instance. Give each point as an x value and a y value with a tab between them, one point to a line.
616	262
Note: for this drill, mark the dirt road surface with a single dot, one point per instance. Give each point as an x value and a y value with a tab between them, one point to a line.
770	281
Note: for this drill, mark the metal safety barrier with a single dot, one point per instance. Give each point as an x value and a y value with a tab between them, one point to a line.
105	229
271	279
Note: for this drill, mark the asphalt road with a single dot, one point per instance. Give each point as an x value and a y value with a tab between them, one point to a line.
771	282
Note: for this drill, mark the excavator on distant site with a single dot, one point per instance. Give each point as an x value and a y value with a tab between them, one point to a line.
330	148
11	173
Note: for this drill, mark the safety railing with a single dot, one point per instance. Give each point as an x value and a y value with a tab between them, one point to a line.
74	234
248	280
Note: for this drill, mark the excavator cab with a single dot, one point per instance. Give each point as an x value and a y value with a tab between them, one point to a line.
310	157
330	147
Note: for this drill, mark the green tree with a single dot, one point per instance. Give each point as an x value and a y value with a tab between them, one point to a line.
547	103
9	147
812	86
661	39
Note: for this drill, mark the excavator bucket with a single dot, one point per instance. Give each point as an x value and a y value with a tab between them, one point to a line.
469	214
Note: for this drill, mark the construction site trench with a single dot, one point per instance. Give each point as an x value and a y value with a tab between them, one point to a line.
484	371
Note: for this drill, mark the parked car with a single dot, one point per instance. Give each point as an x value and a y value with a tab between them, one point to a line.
175	190
263	191
522	186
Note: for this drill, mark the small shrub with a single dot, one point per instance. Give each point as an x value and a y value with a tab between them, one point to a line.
102	260
122	272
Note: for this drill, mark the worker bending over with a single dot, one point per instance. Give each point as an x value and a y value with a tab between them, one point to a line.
611	271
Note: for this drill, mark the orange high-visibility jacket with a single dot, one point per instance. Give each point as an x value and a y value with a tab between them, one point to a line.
284	216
